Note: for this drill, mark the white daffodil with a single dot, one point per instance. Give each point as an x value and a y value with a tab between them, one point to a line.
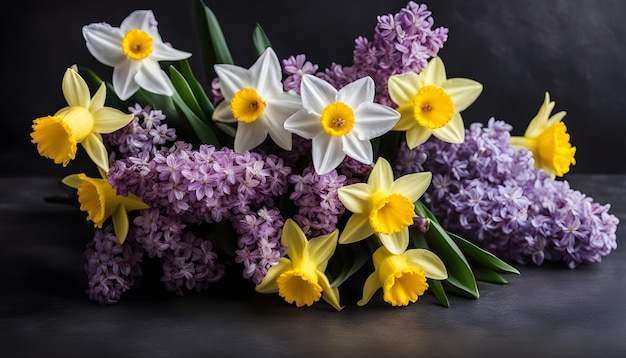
340	122
255	99
429	103
134	50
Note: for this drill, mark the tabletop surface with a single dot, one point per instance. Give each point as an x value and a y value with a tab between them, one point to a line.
44	311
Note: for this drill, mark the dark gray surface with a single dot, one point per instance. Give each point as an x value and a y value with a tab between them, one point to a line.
547	311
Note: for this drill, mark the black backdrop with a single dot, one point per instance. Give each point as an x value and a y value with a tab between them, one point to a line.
572	48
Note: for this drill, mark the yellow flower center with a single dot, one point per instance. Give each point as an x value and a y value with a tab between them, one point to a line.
337	119
137	44
247	106
401	283
299	287
554	149
57	136
391	214
432	107
97	198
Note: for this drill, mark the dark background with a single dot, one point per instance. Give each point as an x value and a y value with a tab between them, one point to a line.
572	48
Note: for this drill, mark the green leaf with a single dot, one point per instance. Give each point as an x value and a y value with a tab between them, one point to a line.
347	260
460	274
214	47
201	129
201	96
185	92
481	256
261	42
488	275
436	288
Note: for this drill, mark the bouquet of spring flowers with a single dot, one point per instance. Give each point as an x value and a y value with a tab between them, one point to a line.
300	178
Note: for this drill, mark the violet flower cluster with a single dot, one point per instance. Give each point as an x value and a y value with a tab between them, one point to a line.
402	42
491	193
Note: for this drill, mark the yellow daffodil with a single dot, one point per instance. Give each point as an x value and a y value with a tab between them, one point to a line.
547	138
402	277
100	201
430	103
340	122
81	121
300	278
255	100
133	50
383	206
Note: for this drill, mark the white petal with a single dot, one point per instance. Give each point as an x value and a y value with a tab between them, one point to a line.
163	52
249	136
316	94
374	120
357	92
124	79
75	89
434	73
327	153
232	79
153	79
105	43
403	87
223	113
462	91
143	20
275	128
304	124
355	148
453	132
266	72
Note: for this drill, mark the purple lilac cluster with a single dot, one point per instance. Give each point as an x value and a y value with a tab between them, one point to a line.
402	42
491	193
258	244
317	199
110	266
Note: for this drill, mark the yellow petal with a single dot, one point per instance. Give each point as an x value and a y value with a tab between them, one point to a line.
463	92
132	202
96	150
97	101
403	87
355	197
428	261
357	228
417	135
538	123
269	285
107	120
321	248
295	241
381	177
120	223
73	181
75	89
453	132
412	186
407	118
434	73
397	242
329	294
372	284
